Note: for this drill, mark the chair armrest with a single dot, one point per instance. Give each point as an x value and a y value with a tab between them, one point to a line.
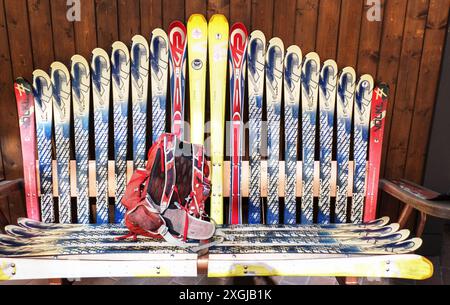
416	196
10	186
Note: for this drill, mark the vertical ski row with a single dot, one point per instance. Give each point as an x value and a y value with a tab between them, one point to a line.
363	99
120	74
274	85
292	88
101	84
345	101
238	56
310	82
140	58
327	105
177	63
25	109
218	34
256	70
81	87
61	108
43	96
197	29
377	121
159	66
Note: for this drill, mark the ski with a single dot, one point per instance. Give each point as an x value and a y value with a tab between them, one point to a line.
377	121
177	62
60	78
310	84
26	112
81	88
120	75
292	88
274	91
43	97
256	70
101	83
345	102
197	31
363	99
140	67
238	57
218	34
327	106
159	68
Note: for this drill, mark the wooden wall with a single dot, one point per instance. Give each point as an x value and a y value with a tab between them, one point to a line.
404	50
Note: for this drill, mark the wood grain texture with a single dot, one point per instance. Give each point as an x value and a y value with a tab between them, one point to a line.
262	17
41	32
63	33
218	7
306	24
129	16
328	28
241	11
284	13
151	16
85	30
173	10
196	7
349	29
107	25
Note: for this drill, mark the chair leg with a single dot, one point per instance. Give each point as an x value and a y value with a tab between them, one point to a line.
421	226
405	215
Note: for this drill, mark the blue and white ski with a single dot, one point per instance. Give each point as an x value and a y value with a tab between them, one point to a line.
256	64
159	67
61	107
274	91
345	101
43	97
140	67
81	89
101	84
327	105
120	75
363	103
292	88
310	92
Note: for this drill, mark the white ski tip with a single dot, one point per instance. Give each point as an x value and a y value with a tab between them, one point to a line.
99	52
349	71
313	56
370	83
139	39
295	50
55	66
119	45
79	59
330	64
276	41
159	33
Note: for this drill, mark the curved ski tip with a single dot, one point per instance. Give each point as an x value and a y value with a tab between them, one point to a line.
7	240
158	32
403	235
424	268
139	39
197	18
349	70
57	65
38	73
366	78
177	24
78	59
16	231
276	41
313	56
120	46
330	64
257	34
294	49
218	18
380	222
99	52
394	227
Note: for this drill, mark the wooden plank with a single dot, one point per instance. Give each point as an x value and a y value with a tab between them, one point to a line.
2	170
328	28
369	43
151	16
427	89
405	93
129	19
349	29
306	24
85	31
63	34
262	17
195	7
241	11
173	10
284	21
218	7
107	26
41	33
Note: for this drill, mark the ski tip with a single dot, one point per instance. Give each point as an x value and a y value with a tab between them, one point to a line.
16	231
59	66
10	241
402	234
197	19
313	56
394	227
276	41
120	46
257	34
294	49
99	52
38	73
407	246
349	71
332	67
239	26
79	60
219	18
158	32
366	82
177	24
378	222
139	39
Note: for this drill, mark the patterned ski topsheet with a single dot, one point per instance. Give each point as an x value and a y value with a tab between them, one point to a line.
327	105
120	76
256	53
197	29
363	99
43	96
274	85
159	67
292	88
238	57
61	108
377	121
310	84
140	68
81	88
345	102
27	125
218	37
101	84
177	63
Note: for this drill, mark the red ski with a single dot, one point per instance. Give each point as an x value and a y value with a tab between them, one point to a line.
238	52
377	122
25	109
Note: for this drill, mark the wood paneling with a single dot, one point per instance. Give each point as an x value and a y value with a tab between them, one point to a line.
404	49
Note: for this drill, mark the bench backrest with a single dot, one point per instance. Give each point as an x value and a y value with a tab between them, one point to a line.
77	119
